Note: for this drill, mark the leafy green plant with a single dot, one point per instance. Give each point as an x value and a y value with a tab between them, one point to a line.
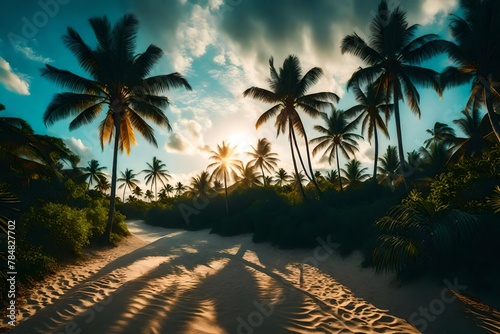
494	200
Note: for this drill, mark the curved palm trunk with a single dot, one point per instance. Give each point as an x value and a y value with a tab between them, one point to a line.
156	191
290	138
300	156
310	164
263	176
402	161
109	227
491	113
375	135
123	197
338	167
225	187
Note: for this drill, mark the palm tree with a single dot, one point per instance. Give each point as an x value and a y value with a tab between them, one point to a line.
288	93
263	158
168	189
218	186
298	180
282	177
179	188
137	192
389	167
332	176
248	177
156	172
435	157
441	133
119	83
103	185
354	174
224	165
476	53
129	181
336	135
93	172
149	195
372	103
200	185
393	56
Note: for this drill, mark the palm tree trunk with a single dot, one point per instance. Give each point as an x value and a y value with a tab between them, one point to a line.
109	227
492	115
156	191
310	164
290	138
375	160
263	176
123	197
225	187
338	167
300	156
397	119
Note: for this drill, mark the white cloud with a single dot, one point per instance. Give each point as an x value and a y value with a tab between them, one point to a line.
12	81
31	54
78	147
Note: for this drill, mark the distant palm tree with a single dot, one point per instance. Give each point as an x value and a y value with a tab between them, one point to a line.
168	189
156	172
248	177
441	133
337	134
388	170
393	56
332	177
354	174
289	93
263	158
103	185
93	172
179	188
149	195
137	192
435	157
119	83
218	186
225	165
476	53
298	180
372	104
129	181
200	185
282	177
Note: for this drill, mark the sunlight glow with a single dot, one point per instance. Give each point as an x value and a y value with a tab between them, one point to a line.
243	142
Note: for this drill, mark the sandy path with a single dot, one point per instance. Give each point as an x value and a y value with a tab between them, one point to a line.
173	281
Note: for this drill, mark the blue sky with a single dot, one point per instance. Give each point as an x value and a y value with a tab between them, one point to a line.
222	48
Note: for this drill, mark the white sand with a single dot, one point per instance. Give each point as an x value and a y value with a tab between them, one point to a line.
173	281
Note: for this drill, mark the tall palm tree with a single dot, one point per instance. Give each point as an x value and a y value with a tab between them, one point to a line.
179	188
200	185
263	158
282	177
248	177
149	195
93	172
119	82
441	133
392	57
156	172
476	53
289	94
354	174
389	167
129	181
225	164
372	103
336	135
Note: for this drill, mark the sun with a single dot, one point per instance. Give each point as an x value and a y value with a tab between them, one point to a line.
242	141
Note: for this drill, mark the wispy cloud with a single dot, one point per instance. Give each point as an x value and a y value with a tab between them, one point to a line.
29	53
12	81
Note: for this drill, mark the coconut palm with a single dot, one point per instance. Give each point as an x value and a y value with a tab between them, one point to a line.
168	189
218	186
93	172
137	192
289	94
156	172
388	170
354	174
129	181
149	195
247	176
298	180
103	185
263	158
441	133
225	164
372	103
282	177
435	157
476	54
200	185
337	134
120	83
179	188
392	57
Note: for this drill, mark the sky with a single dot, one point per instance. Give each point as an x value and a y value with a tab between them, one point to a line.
222	47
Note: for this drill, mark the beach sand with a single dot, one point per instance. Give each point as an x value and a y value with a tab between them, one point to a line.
174	281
